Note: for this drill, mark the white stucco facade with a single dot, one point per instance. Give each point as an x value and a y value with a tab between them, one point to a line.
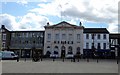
104	42
63	35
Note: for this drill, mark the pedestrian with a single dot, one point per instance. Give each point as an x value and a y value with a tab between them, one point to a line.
18	59
73	59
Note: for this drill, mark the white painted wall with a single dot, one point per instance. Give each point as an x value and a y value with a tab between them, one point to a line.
96	41
66	31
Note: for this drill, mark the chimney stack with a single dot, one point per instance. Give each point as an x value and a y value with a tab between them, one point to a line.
80	24
3	26
48	24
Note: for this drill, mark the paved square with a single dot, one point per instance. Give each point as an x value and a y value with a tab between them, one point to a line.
48	66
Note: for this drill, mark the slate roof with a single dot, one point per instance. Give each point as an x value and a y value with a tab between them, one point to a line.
26	31
64	22
95	30
114	36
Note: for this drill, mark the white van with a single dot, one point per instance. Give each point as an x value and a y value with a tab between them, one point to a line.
8	55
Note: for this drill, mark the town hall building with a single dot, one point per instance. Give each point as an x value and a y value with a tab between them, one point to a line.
63	37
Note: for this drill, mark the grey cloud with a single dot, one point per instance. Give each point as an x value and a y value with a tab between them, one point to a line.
87	15
34	24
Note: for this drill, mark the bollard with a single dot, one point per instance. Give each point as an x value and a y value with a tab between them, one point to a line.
53	59
117	61
18	59
25	59
63	60
87	60
73	59
97	60
41	59
78	59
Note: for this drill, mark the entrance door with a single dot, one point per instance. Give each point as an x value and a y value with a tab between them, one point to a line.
63	51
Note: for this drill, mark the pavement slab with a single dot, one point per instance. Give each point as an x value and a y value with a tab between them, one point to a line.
48	66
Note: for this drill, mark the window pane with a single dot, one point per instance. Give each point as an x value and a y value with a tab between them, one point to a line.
78	36
49	36
4	36
87	36
104	36
70	37
104	45
13	34
99	46
63	36
87	45
98	36
56	36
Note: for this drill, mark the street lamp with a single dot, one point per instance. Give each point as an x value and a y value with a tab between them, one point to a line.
117	50
62	51
93	47
41	55
25	51
35	52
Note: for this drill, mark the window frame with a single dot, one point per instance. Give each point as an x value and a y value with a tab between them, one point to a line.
4	36
49	36
87	45
104	36
87	36
104	45
98	36
78	36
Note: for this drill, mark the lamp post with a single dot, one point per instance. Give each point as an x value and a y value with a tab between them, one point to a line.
63	52
116	49
33	48
93	47
35	52
41	55
25	52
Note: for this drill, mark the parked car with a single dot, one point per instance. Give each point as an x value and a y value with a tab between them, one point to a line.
69	55
47	55
54	54
8	55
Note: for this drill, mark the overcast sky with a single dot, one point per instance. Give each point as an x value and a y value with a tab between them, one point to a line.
34	15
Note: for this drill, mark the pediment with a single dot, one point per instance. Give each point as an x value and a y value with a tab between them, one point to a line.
64	24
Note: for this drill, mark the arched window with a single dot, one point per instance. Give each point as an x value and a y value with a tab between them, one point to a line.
56	50
70	50
78	50
48	46
63	52
63	48
56	47
48	54
48	49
